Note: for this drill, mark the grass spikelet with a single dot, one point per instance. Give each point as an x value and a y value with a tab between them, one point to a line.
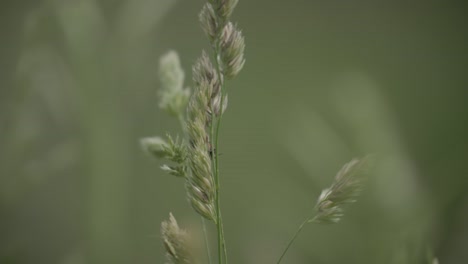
202	118
232	50
205	74
172	150
177	243
345	189
155	146
200	187
208	21
224	8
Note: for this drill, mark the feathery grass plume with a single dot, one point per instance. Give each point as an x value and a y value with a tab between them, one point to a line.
172	150
173	96
345	189
232	50
177	243
200	187
435	261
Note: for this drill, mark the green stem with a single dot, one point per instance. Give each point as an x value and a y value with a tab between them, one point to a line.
216	180
215	161
207	244
298	231
224	242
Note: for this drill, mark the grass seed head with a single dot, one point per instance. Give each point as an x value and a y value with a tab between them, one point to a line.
209	22
345	189
173	97
177	242
232	50
224	8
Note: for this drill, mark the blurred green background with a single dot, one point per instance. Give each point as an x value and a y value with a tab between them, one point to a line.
325	81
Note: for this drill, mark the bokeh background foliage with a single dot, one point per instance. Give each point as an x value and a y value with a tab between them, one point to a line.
324	81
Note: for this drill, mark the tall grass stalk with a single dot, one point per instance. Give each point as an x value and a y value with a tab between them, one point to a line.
197	156
215	135
200	115
345	189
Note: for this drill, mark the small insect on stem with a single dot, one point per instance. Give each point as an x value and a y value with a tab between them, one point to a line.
211	149
211	152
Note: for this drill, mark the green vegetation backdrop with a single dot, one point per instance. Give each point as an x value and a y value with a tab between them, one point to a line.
324	81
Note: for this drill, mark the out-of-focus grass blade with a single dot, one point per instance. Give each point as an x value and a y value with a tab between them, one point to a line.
83	27
138	18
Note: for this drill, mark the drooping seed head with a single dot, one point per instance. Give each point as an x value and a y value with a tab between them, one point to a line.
345	189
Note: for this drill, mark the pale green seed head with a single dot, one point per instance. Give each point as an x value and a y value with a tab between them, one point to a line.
170	149
171	73
155	146
177	242
199	184
173	97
